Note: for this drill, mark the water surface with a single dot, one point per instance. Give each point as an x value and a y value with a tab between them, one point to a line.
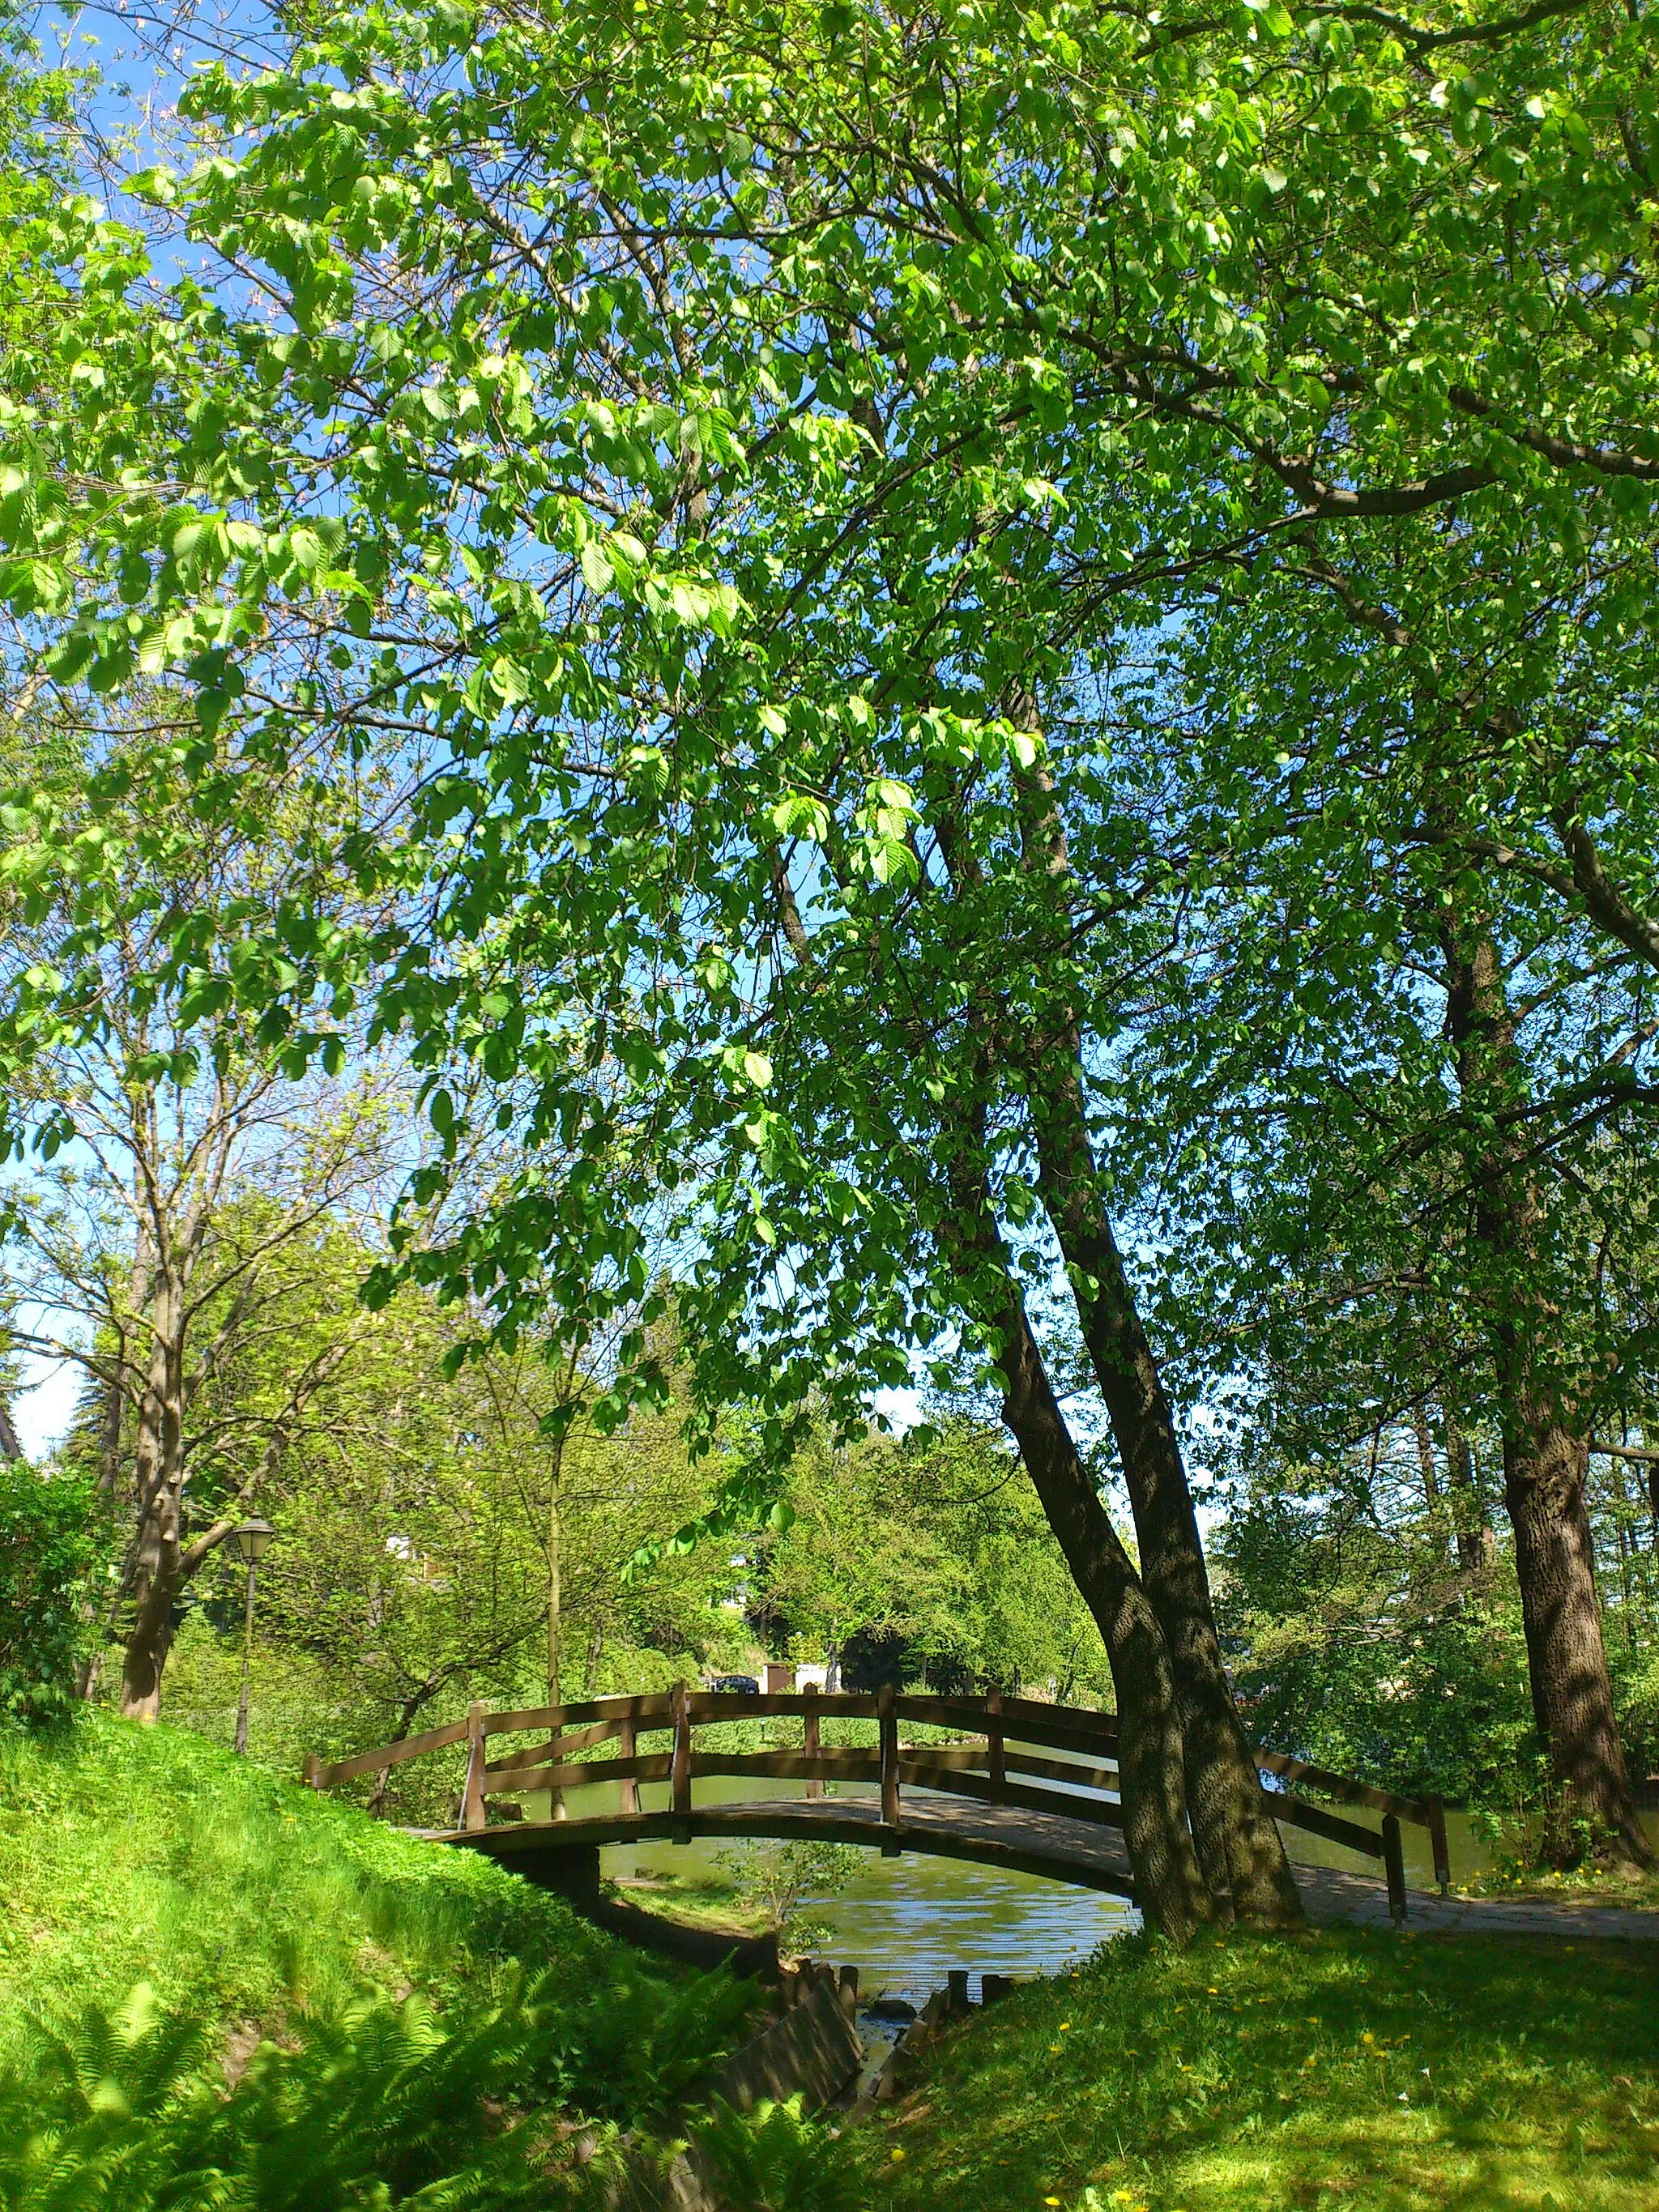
905	1922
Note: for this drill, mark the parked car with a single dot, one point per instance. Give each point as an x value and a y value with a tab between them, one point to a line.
745	1683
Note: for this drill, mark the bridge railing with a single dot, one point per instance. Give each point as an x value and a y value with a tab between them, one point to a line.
999	1763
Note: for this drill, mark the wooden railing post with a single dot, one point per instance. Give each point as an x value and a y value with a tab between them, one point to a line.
628	1790
1393	1864
995	1755
473	1816
810	1742
680	1772
887	1728
311	1772
1437	1838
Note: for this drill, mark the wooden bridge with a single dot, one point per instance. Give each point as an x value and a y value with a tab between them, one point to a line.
990	1795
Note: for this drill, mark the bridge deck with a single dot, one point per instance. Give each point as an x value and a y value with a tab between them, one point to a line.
1050	1846
1047	1844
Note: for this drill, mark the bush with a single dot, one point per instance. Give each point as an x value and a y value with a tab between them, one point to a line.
47	1551
385	2104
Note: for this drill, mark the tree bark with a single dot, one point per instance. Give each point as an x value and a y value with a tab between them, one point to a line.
1546	1445
1239	1845
158	1481
1545	1467
1168	1886
1422	1437
1238	1841
555	1599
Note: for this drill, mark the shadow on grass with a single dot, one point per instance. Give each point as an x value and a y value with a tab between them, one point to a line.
1344	2069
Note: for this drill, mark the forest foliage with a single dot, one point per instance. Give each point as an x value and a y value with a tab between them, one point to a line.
757	707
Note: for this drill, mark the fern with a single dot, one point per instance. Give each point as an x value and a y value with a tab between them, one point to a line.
637	2050
773	2158
385	2107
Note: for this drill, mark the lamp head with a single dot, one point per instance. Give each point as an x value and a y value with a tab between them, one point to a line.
251	1538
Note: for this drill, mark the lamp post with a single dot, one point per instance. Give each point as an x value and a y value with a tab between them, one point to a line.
251	1537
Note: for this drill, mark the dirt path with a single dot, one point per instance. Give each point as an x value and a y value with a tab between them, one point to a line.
1328	1897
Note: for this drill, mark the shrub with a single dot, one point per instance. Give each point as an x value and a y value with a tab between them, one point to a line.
778	1879
47	1551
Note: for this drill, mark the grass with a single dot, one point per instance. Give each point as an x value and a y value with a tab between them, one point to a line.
704	1901
131	1855
1368	2071
275	1949
1589	1884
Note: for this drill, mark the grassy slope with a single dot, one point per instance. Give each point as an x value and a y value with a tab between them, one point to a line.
131	1855
1377	2073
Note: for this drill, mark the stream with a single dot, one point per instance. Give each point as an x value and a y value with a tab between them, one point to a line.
906	1921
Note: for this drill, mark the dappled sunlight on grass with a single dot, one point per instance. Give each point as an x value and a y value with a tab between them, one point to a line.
130	1854
1346	2068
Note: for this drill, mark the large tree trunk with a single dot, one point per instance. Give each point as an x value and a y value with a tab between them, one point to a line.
1238	1841
1156	1788
555	1598
1545	1468
1169	1886
1239	1844
1546	1455
149	1640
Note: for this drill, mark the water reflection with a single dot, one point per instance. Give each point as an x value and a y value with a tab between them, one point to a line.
905	1922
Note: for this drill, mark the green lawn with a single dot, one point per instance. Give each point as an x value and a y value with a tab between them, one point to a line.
1372	2072
131	1855
709	1901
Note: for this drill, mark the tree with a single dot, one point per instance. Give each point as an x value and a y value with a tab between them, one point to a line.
937	1546
171	1185
411	1496
1357	1645
48	1550
1455	1210
754	583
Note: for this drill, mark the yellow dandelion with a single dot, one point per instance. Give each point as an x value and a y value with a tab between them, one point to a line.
898	2153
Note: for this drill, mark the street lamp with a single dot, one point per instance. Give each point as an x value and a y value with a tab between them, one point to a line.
251	1537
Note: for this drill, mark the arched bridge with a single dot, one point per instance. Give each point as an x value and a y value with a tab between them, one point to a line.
984	1786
